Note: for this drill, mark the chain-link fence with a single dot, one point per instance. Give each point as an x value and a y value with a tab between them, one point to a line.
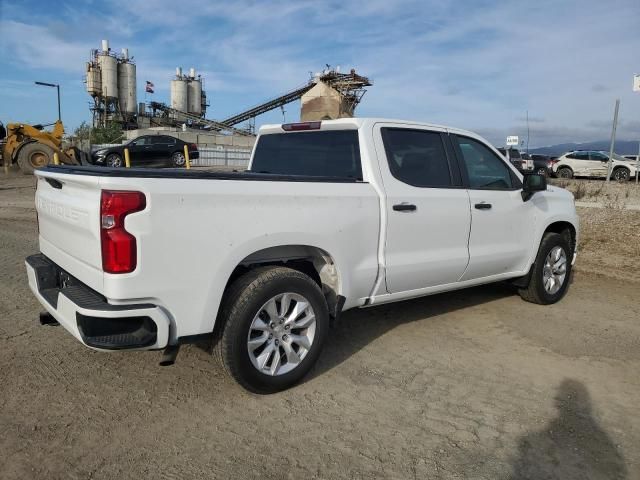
222	156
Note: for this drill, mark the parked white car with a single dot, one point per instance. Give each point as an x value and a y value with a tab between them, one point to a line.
331	215
589	163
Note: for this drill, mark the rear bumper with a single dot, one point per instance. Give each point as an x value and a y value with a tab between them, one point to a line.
89	317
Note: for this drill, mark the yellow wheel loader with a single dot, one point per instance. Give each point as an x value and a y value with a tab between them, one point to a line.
31	147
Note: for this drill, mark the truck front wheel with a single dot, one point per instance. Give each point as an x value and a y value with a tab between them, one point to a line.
551	271
272	325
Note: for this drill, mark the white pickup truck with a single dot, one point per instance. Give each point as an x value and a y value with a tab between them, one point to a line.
330	216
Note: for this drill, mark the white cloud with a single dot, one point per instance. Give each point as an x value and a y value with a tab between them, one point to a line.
37	47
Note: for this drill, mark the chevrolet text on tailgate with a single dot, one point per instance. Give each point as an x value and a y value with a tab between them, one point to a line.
330	216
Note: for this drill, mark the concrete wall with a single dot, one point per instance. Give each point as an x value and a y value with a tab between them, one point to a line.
195	136
322	103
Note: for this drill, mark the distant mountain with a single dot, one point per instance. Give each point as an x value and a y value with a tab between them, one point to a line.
623	147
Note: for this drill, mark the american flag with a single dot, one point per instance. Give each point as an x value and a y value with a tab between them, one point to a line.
149	87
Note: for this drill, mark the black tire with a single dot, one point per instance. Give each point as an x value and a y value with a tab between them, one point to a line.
242	303
535	292
564	172
178	160
34	155
113	160
621	174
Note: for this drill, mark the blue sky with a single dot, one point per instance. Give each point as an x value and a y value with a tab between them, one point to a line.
472	64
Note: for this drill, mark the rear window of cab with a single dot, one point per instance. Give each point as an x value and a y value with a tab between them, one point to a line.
329	153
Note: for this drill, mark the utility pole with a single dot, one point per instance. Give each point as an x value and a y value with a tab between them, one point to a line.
636	88
638	164
613	139
527	131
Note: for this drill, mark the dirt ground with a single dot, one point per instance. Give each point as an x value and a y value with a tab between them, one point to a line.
471	384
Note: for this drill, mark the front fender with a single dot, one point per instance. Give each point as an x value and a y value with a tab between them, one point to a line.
559	208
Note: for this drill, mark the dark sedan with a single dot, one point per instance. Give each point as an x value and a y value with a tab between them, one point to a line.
542	164
147	151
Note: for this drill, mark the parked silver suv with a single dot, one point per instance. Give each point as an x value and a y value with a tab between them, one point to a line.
589	163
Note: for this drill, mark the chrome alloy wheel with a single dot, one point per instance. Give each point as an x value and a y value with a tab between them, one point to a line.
555	270
178	159
114	161
281	334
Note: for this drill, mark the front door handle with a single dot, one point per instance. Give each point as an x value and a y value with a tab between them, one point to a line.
405	207
483	206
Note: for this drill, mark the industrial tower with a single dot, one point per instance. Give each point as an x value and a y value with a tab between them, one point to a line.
111	82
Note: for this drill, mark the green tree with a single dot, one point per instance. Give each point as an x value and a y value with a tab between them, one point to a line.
112	133
83	132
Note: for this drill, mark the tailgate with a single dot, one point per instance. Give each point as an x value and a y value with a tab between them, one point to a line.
69	224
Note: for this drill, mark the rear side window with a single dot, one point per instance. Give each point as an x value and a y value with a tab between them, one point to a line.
163	140
417	157
598	156
320	154
579	155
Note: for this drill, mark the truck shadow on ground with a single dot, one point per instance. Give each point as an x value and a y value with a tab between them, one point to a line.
572	446
359	327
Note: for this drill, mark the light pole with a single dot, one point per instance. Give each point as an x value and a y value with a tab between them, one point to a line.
613	139
636	88
58	88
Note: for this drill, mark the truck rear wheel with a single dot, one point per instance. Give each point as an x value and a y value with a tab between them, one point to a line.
34	155
273	323
551	271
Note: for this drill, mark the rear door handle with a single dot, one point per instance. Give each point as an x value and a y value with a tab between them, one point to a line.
483	206
405	207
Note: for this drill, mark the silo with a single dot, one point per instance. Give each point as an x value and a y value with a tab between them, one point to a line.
109	75
127	87
94	84
195	97
179	95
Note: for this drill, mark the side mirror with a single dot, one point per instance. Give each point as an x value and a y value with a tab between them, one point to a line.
532	183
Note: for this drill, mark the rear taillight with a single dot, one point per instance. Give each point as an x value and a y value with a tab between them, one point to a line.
118	245
193	147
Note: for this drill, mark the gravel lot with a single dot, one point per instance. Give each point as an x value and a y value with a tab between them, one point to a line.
471	384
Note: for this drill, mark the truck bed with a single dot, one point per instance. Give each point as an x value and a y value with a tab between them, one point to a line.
181	173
